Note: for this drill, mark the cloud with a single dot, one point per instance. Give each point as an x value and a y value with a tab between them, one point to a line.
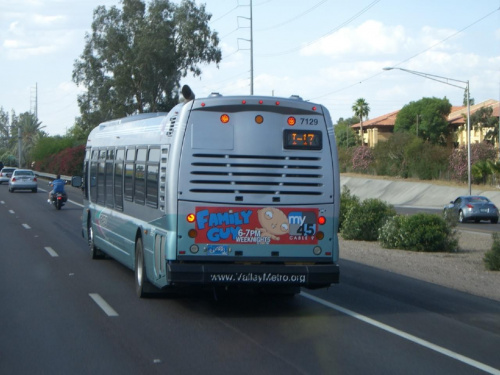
31	33
47	21
369	39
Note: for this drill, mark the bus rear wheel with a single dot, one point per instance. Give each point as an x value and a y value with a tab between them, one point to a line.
142	286
95	253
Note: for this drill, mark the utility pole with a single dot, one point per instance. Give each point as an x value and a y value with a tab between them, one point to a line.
251	45
251	48
19	146
34	100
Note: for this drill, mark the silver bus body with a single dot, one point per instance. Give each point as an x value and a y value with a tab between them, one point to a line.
220	191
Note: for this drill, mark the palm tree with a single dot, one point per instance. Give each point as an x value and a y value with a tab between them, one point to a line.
31	130
361	109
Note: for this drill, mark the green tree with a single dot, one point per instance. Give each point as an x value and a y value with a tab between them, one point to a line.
483	119
47	146
344	135
426	118
471	100
135	57
391	158
31	131
4	130
361	109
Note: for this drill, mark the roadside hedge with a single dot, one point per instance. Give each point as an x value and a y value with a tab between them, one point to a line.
363	220
421	232
492	257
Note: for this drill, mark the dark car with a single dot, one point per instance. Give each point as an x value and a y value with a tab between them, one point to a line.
472	208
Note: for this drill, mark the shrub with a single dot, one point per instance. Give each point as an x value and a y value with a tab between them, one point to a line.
362	221
345	159
420	232
347	200
458	158
492	257
362	159
66	162
427	161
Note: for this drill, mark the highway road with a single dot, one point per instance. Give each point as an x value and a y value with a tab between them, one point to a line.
63	313
483	226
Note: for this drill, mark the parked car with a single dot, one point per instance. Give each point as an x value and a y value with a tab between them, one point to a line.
472	208
5	174
23	179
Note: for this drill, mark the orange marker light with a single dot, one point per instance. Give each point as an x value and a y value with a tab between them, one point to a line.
259	119
291	121
224	118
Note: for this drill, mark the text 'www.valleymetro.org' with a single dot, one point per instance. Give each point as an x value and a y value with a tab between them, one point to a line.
250	277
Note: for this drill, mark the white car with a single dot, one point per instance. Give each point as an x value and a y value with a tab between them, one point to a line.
23	179
5	174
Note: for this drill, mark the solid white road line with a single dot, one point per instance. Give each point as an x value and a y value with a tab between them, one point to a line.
103	304
51	251
404	335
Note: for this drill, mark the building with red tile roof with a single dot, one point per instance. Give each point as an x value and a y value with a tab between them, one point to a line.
381	128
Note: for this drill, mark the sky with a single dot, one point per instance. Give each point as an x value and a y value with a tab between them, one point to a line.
329	52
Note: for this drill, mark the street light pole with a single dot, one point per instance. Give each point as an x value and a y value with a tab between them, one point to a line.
446	81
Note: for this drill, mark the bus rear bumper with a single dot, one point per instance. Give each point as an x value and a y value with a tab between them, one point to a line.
309	276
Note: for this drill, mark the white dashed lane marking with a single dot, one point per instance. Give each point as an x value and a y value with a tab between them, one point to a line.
51	251
103	304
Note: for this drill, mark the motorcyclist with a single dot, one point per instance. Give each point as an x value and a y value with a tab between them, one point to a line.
58	185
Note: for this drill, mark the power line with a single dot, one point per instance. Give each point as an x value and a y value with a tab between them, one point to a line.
294	18
409	58
361	12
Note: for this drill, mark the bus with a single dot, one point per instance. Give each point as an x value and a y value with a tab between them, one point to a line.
222	191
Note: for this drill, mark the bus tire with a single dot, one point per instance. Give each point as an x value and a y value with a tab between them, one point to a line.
95	253
143	288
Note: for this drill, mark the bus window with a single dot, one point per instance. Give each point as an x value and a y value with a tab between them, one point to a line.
153	166
129	175
101	177
118	181
109	178
93	175
86	166
140	176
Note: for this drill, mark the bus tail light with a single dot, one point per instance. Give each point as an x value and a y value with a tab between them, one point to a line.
259	119
320	235
191	218
317	250
224	118
192	233
291	121
321	220
194	249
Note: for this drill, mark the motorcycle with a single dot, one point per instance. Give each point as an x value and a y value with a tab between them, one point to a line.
58	200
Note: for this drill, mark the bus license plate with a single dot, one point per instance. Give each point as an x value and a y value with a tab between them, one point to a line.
217	250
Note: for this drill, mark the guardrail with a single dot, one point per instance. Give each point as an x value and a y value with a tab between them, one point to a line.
50	176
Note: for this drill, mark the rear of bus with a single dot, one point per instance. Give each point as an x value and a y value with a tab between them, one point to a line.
258	194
